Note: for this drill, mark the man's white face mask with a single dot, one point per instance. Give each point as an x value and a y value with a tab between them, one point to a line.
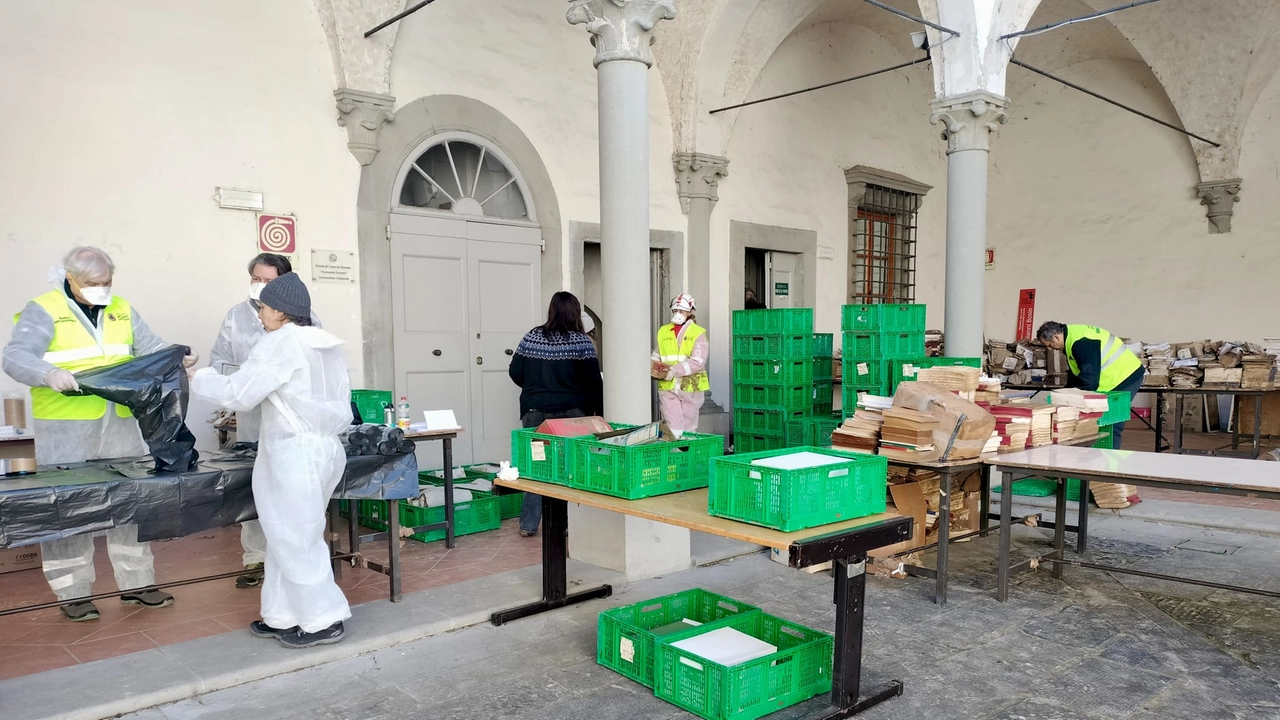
679	318
255	290
97	295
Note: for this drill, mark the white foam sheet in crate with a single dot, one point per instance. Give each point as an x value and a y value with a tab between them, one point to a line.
800	460
725	646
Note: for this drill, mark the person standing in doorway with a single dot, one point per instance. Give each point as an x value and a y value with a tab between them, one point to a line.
680	367
241	331
558	372
750	302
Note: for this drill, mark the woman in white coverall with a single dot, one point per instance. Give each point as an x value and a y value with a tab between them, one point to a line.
297	375
680	367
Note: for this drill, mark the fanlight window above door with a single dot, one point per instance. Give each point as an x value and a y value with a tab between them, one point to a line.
464	178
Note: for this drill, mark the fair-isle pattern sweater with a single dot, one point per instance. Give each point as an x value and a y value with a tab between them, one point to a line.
557	372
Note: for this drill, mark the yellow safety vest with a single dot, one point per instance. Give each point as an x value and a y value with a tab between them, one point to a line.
74	349
672	353
1118	362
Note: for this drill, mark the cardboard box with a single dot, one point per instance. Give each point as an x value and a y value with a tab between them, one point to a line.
908	499
574	427
26	557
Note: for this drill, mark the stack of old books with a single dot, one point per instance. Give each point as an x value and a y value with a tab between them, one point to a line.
859	433
1032	424
1258	372
1157	358
1065	420
908	435
960	380
1111	496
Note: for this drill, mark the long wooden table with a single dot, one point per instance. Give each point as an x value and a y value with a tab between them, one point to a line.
1223	476
845	543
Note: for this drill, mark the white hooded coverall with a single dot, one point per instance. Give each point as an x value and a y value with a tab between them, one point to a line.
298	377
241	331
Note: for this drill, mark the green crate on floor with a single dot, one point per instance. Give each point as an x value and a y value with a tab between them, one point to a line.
812	431
1117	409
823	369
479	514
371	404
882	317
791	397
790	500
783	321
747	443
625	638
509	504
643	471
799	670
823	345
766	421
782	372
773	347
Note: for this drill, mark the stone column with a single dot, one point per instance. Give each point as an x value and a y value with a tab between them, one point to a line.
1219	198
621	32
969	121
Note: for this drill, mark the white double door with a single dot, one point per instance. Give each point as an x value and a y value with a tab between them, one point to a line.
464	294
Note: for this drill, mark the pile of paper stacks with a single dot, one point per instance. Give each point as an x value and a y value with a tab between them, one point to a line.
988	391
1259	372
1111	496
1065	419
1157	358
908	435
1091	403
963	427
861	432
962	381
993	443
1032	424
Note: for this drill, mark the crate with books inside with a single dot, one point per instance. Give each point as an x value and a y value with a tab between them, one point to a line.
714	656
781	374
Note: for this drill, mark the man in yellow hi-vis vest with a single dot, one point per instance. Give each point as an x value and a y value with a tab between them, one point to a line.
680	367
77	327
1098	360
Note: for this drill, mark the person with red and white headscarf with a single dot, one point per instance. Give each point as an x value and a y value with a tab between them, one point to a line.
680	366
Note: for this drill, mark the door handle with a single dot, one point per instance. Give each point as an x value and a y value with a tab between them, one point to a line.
508	352
479	361
437	353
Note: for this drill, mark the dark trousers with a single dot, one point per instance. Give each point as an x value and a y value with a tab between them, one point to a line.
1131	385
531	510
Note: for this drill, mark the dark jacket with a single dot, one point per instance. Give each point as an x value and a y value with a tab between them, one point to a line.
1088	356
557	373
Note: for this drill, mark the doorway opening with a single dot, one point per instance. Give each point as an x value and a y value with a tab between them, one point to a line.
772	279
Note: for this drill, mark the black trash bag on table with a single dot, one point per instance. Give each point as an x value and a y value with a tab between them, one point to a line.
155	388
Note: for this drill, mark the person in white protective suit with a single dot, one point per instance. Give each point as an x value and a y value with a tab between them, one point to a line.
297	375
78	326
241	330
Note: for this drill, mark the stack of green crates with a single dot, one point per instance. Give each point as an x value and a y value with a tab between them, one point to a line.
874	337
773	375
823	373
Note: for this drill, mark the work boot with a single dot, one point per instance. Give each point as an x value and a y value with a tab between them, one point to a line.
252	577
261	629
148	599
80	612
296	639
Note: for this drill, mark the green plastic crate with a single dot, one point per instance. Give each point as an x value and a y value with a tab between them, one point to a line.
823	345
509	504
1037	487
1105	442
884	344
772	347
624	638
849	395
554	465
783	372
766	421
799	670
811	431
882	317
371	403
783	321
902	369
823	393
1117	409
747	443
790	397
643	471
479	514
823	369
790	500
864	371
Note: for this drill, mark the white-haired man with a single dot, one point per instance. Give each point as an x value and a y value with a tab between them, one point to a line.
76	327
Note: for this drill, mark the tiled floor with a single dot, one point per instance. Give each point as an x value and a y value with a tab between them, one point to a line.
44	640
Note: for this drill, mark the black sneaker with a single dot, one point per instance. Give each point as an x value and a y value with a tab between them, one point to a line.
251	578
80	612
296	639
148	599
263	630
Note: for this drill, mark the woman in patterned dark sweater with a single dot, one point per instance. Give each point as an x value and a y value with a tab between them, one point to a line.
558	372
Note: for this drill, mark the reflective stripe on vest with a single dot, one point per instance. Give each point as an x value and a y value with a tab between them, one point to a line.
75	349
1117	361
671	353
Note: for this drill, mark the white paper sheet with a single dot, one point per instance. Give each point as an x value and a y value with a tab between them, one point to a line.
726	646
796	461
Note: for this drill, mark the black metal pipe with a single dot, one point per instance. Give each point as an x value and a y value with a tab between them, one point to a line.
1082	18
1122	106
912	18
917	61
118	593
1157	576
400	17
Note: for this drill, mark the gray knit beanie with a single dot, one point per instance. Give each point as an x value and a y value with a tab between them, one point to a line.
289	295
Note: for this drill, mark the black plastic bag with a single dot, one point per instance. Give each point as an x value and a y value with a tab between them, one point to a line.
155	387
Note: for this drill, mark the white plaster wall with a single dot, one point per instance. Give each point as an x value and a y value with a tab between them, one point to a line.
124	117
523	58
1096	209
788	157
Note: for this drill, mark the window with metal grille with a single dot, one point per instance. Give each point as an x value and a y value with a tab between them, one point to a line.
882	247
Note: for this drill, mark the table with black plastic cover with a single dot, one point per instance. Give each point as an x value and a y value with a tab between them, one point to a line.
1222	476
845	544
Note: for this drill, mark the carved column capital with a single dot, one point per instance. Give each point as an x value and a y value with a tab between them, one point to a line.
621	29
363	114
698	176
1220	197
969	120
